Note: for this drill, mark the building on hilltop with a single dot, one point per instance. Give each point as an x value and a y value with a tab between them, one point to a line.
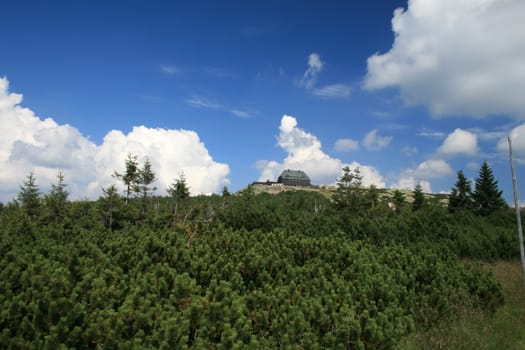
293	178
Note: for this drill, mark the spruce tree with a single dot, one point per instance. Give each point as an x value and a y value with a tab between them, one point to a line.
29	196
349	191
419	198
57	198
399	200
179	192
109	204
461	194
487	196
179	189
131	177
145	178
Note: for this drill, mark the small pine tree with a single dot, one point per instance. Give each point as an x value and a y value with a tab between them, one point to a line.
29	197
110	202
349	192
419	198
179	192
487	196
399	200
145	178
131	176
461	194
57	198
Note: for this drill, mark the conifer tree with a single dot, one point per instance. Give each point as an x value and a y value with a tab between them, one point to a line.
399	200
179	192
58	197
461	194
110	202
131	176
487	196
419	198
29	196
349	191
145	178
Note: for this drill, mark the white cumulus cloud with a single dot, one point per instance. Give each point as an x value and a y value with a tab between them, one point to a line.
433	169
375	142
425	171
457	57
28	143
304	152
459	142
346	145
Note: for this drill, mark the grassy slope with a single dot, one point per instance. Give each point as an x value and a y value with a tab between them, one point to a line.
476	330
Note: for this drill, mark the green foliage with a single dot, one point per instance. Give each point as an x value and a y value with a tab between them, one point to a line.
246	270
110	205
419	198
399	200
461	194
29	197
179	190
349	194
228	289
146	177
131	176
57	199
487	196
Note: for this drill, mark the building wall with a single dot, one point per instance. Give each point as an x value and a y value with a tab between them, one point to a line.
293	182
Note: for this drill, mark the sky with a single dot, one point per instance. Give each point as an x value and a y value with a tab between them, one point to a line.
231	92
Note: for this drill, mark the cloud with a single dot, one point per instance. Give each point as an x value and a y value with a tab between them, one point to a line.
241	114
171	70
197	101
433	169
315	66
431	134
346	145
310	77
304	152
456	57
201	102
409	151
517	136
459	142
485	135
332	91
374	142
170	152
28	143
429	169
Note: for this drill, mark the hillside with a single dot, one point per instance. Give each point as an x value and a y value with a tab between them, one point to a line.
328	191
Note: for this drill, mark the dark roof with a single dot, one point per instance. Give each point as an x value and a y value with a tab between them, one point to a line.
294	174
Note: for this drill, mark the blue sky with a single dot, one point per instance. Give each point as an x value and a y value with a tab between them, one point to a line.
235	91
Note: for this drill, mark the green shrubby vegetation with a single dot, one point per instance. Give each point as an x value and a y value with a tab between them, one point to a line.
294	270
